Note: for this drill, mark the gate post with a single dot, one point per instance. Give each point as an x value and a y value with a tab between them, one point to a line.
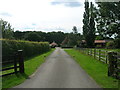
21	61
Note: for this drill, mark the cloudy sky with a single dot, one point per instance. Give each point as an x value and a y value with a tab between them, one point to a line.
43	15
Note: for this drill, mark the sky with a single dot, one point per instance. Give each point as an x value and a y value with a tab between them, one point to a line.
43	15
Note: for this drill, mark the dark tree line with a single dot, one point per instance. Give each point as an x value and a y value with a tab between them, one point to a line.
58	37
50	37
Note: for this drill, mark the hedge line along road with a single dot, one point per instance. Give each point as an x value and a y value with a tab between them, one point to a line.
59	71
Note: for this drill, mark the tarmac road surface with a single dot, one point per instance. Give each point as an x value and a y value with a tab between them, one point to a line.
59	71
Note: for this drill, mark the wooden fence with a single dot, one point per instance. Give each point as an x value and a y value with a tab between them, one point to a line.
98	54
17	65
110	58
114	64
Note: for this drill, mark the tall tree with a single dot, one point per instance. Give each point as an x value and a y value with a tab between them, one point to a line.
86	22
89	24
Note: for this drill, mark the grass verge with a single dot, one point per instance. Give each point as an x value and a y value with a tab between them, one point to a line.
96	69
30	66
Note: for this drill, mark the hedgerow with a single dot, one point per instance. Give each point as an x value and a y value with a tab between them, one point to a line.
10	47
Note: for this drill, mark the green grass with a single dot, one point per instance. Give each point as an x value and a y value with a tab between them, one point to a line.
31	65
96	69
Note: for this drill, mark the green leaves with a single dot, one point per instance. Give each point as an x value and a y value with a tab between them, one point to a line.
7	31
108	19
9	47
89	24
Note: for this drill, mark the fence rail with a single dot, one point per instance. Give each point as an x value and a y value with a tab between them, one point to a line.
18	64
100	55
110	58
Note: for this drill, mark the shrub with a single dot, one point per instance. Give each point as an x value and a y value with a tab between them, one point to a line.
110	45
9	47
117	43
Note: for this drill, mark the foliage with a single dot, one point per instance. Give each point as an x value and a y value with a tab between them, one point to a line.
32	36
108	17
7	31
9	47
57	37
72	38
89	24
117	43
98	37
50	37
75	29
110	44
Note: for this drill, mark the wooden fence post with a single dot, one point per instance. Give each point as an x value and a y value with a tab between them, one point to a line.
99	54
88	51
91	51
106	57
15	62
111	65
94	53
21	61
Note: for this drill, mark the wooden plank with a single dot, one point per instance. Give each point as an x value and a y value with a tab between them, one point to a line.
102	61
102	58
7	74
9	68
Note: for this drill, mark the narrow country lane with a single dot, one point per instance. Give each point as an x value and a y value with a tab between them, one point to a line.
59	71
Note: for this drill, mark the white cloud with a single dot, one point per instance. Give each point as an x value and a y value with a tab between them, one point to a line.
41	15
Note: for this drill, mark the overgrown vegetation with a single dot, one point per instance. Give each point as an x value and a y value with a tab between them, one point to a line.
31	64
96	69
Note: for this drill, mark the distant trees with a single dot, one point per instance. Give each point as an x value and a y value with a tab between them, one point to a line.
32	36
58	37
72	38
75	30
7	30
89	24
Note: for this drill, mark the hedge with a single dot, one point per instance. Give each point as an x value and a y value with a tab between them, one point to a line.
9	47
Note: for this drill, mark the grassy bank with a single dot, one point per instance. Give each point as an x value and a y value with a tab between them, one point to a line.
96	69
30	67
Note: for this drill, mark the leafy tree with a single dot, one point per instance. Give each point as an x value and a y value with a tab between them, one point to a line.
110	44
32	36
72	38
75	29
7	30
108	19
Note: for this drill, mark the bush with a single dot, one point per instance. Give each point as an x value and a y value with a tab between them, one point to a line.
117	43
110	45
9	47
